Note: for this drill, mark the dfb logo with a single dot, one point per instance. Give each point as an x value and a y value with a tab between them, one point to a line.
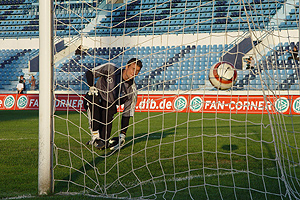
296	105
9	101
109	80
282	104
180	103
22	102
196	104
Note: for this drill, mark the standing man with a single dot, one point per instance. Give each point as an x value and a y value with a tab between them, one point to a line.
20	87
32	82
250	63
24	82
115	86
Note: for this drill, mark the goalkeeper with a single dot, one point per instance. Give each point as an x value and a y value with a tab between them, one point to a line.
115	86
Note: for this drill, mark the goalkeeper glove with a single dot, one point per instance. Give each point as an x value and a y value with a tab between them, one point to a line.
117	142
93	91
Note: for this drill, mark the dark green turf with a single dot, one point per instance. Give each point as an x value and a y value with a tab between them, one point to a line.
171	155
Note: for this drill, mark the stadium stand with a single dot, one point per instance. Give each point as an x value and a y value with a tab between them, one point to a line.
158	64
19	18
12	63
291	19
190	63
183	68
212	16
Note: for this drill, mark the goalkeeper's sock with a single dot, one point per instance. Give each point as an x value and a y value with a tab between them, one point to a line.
95	135
122	136
96	141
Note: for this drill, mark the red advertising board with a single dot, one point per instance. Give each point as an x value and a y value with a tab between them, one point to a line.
252	104
31	102
241	104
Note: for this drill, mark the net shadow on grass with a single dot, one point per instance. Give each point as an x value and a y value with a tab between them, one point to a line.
63	185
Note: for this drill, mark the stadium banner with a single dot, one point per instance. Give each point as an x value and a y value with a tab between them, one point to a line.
239	104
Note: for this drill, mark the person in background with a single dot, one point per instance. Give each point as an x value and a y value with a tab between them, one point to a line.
32	82
80	51
20	87
250	63
23	81
294	54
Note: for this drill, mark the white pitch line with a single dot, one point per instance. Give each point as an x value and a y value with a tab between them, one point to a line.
20	197
5	139
153	136
180	135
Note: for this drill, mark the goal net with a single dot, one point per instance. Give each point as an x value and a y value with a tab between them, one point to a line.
187	139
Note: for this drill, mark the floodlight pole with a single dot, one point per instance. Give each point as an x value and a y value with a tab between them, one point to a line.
45	173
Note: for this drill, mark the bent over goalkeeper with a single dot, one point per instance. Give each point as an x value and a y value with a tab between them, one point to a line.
115	86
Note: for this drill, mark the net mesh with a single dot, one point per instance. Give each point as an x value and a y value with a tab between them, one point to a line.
187	139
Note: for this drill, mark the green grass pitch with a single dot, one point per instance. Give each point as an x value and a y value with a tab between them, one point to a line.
167	155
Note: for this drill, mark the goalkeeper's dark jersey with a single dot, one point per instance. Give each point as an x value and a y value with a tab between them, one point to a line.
113	88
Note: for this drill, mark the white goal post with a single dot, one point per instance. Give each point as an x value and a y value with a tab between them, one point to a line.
45	170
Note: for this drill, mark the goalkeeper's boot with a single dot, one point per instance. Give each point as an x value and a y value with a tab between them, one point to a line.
96	141
99	144
117	142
